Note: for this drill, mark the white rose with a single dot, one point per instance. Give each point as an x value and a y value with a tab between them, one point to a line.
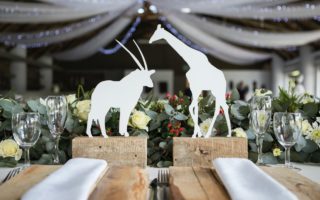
82	109
239	132
306	127
204	127
9	148
139	120
71	98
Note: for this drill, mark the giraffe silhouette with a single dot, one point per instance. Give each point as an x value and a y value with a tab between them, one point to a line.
202	75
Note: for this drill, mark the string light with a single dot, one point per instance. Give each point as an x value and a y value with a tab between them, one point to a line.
124	40
180	36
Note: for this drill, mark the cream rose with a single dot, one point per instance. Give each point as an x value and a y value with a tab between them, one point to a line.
239	132
9	148
82	109
139	120
71	98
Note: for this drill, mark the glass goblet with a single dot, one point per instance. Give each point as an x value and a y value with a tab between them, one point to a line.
26	128
57	109
287	129
260	107
260	120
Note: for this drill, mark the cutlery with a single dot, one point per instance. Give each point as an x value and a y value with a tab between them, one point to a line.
163	183
12	173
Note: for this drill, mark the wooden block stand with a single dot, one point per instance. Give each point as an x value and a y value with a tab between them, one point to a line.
117	151
199	152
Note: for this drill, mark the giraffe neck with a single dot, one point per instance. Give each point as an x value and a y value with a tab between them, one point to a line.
182	49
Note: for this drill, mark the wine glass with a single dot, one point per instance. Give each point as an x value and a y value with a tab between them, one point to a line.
57	109
260	119
26	129
287	128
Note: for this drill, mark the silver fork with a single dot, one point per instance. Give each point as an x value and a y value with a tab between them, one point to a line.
12	173
163	183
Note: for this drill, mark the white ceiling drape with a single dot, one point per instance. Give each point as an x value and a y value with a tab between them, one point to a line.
245	36
30	13
214	46
71	31
104	37
251	11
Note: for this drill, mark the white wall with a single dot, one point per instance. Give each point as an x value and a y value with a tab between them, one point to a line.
262	77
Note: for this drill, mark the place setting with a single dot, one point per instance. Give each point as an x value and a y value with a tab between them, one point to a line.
159	100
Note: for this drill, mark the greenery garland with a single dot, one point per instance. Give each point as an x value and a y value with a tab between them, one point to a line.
161	120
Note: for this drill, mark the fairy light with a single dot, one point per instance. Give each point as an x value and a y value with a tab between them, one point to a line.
124	40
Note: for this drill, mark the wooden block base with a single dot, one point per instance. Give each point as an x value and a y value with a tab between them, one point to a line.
117	151
199	152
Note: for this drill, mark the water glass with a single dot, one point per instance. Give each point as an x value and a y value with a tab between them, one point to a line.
287	129
260	108
26	129
57	108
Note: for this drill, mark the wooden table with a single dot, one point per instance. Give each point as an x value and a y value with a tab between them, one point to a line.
196	183
131	183
119	183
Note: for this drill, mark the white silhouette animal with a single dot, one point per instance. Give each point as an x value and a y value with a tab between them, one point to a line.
202	75
123	94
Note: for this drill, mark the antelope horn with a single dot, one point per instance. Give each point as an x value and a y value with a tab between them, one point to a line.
144	60
133	56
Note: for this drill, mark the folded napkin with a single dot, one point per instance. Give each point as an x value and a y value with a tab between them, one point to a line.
74	180
245	181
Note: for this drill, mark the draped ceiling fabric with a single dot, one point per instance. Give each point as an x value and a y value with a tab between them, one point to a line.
200	21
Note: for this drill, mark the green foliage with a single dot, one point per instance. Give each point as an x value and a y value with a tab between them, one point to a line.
169	118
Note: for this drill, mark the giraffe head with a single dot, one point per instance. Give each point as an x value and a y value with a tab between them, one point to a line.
143	75
157	35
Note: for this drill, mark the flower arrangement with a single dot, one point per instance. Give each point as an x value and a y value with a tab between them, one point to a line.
162	119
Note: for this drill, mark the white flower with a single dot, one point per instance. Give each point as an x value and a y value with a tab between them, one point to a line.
306	127
307	98
262	92
139	120
239	132
71	98
179	107
204	126
9	148
82	109
314	135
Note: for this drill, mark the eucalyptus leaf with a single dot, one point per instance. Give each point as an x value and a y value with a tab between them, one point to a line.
268	137
301	143
6	104
181	117
163	145
310	109
310	146
153	115
235	110
169	109
268	158
235	95
250	134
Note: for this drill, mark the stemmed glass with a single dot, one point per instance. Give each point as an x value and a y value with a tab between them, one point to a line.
287	128
26	128
260	119
57	108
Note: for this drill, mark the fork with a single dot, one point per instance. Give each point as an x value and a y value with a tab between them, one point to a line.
12	173
163	183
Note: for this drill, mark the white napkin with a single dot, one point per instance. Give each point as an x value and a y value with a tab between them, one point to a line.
74	180
245	181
